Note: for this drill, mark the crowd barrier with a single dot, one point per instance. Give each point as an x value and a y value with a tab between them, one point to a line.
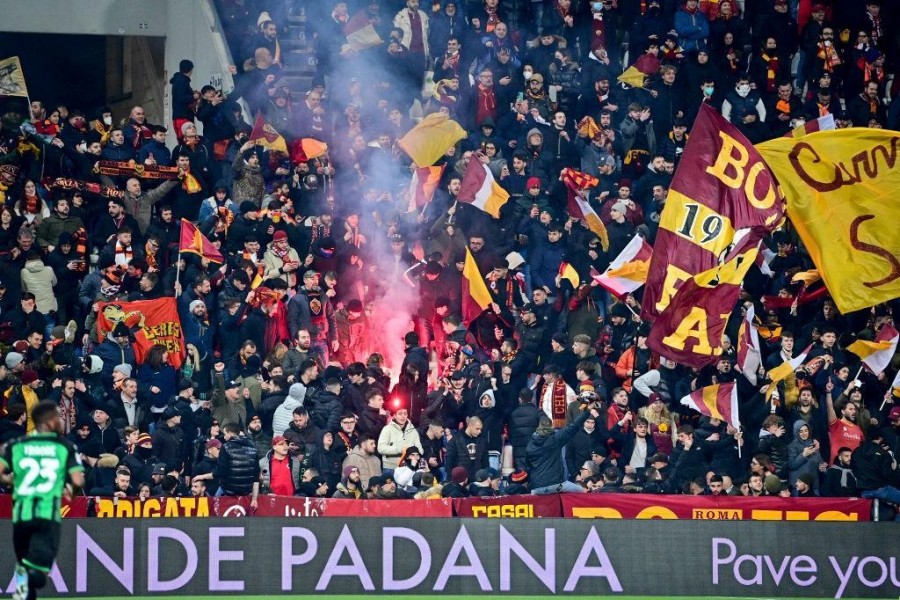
290	556
584	506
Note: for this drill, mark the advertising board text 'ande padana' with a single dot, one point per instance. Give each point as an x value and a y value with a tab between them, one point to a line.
195	557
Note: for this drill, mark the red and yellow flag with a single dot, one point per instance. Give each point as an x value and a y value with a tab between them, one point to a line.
877	355
690	329
152	322
718	401
476	295
431	138
579	208
195	242
265	135
722	192
422	186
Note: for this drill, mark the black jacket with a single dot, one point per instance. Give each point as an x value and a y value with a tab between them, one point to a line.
326	412
522	422
544	455
872	466
238	467
467	452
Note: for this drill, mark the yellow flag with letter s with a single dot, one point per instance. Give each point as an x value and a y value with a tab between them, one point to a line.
841	188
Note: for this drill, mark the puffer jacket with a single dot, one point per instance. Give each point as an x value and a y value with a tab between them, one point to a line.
238	467
544	454
39	279
326	411
523	420
393	440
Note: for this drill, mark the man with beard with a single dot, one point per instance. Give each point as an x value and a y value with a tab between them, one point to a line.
57	223
350	486
840	482
311	309
843	431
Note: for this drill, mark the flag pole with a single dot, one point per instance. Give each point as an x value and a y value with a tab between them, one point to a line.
739	440
178	269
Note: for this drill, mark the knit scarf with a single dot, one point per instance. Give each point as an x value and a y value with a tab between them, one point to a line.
492	19
111	283
771	71
32	205
824	109
150	257
67	412
871	72
280	252
783	106
79	241
558	403
124	254
829	56
486	98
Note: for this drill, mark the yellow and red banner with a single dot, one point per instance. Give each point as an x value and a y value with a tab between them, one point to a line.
690	329
152	322
841	189
721	188
714	508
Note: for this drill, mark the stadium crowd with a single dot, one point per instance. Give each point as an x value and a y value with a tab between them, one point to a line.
295	385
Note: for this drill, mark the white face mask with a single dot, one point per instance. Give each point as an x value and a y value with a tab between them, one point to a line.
527	74
828	43
743	90
107	120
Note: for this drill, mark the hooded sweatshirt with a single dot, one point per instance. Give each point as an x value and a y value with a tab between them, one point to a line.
284	414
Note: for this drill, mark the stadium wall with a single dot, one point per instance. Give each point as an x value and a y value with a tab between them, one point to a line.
200	557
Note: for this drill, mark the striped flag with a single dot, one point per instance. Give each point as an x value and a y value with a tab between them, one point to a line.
788	367
195	242
821	124
479	188
579	208
877	355
476	296
748	356
424	182
360	34
629	270
718	401
568	272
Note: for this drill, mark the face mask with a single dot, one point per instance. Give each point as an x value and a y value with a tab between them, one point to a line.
827	43
597	6
743	90
709	90
107	121
527	74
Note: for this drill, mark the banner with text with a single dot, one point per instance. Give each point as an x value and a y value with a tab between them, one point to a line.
467	557
151	322
714	508
721	188
509	506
